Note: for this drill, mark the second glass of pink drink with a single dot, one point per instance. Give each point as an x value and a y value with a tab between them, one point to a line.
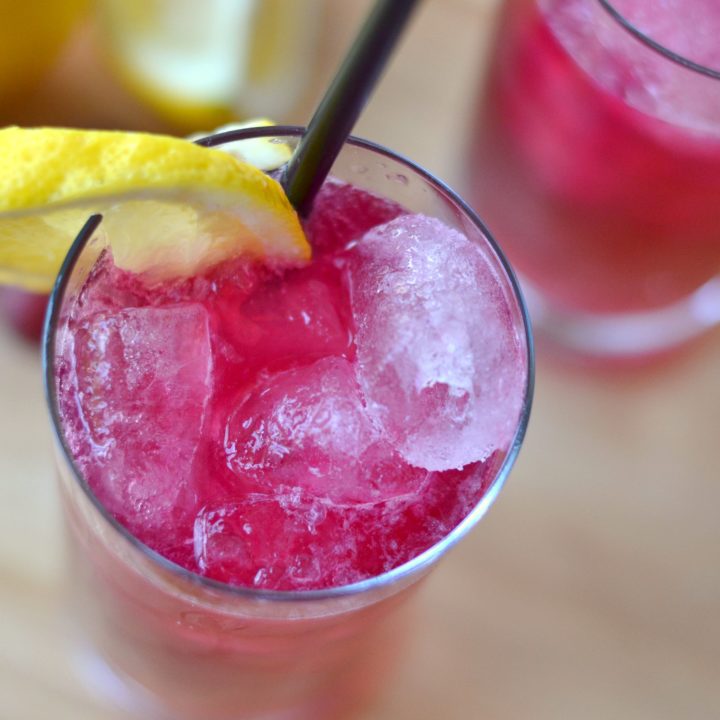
258	464
596	161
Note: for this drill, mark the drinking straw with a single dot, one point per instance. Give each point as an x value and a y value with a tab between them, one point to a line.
343	102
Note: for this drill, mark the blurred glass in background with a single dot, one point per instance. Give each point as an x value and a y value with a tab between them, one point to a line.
202	63
596	160
32	34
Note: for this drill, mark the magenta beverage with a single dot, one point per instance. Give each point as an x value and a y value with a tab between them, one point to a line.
259	463
23	311
596	161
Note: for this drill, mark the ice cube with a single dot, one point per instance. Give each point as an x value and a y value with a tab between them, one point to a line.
143	378
262	540
342	213
309	428
438	358
289	539
296	316
292	540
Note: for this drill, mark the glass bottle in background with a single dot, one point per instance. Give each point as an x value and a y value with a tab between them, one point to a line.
595	157
202	63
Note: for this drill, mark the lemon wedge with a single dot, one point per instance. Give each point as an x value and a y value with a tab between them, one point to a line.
262	152
170	207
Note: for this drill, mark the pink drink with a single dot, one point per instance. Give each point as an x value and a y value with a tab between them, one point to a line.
24	312
283	429
597	158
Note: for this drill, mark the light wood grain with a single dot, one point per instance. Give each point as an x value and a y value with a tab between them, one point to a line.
592	588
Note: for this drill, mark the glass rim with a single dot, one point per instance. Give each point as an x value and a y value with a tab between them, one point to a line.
387	578
645	39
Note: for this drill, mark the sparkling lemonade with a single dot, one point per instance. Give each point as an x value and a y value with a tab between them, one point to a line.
261	459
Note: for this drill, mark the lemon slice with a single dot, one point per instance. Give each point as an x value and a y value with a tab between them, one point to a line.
170	207
262	152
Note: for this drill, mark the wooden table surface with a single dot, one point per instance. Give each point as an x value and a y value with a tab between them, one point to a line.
592	588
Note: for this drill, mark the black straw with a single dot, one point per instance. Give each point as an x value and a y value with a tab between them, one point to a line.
343	102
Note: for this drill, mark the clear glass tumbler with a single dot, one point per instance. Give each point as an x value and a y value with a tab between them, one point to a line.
170	643
595	158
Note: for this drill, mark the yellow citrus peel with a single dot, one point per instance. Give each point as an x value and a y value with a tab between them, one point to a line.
170	207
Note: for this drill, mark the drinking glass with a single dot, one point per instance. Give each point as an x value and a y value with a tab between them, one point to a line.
595	159
170	643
